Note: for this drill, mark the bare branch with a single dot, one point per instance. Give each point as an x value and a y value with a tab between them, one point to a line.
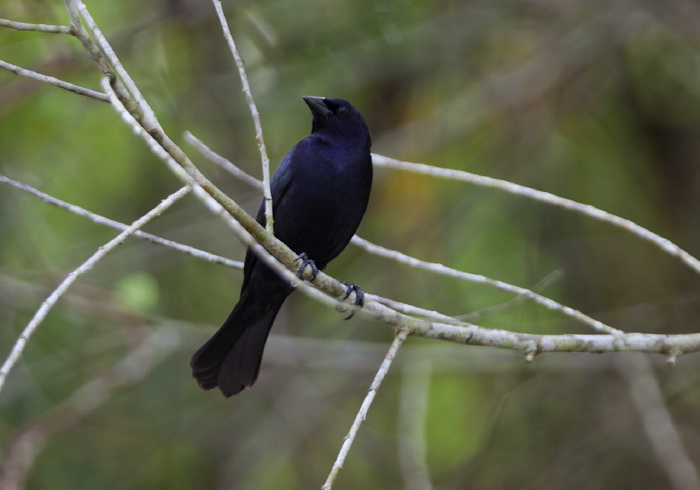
254	112
531	345
413	413
415	310
105	55
47	29
27	445
401	335
222	162
441	269
593	212
514	302
101	220
49	303
657	422
53	81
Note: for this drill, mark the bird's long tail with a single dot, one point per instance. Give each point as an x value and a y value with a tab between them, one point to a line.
230	359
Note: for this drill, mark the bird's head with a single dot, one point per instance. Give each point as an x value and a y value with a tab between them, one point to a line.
338	117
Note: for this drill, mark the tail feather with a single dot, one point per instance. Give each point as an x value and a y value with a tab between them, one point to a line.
230	359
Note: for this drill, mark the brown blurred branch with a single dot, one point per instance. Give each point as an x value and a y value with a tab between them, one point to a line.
657	422
399	338
28	443
86	266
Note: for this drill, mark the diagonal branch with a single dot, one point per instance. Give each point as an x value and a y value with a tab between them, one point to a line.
254	112
26	446
45	28
53	81
663	243
53	298
101	220
657	422
401	335
477	278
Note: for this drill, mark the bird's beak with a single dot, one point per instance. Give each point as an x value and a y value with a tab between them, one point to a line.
318	106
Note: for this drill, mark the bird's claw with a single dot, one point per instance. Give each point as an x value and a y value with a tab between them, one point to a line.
306	262
359	298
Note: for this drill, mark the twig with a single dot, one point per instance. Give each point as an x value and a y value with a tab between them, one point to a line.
53	81
77	6
46	306
514	302
477	278
253	112
415	310
27	445
593	212
413	413
657	422
83	36
222	162
529	344
101	220
362	414
45	28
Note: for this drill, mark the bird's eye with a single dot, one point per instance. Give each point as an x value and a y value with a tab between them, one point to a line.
342	110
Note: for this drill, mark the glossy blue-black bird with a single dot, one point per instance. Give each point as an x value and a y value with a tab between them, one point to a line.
319	195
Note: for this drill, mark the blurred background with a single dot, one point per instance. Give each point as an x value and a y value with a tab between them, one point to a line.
597	101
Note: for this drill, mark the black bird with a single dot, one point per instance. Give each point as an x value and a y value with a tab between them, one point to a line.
319	195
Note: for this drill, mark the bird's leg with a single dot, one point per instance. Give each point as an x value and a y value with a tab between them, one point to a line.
307	262
359	296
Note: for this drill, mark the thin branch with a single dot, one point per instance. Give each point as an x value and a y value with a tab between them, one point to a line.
78	7
413	413
101	220
254	112
49	303
28	444
657	422
531	345
477	278
83	36
45	28
362	414
514	302
593	212
53	81
222	162
415	310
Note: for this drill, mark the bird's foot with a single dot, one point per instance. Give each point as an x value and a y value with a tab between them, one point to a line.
359	297
306	262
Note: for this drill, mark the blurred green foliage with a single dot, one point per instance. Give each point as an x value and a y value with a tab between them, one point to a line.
594	101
